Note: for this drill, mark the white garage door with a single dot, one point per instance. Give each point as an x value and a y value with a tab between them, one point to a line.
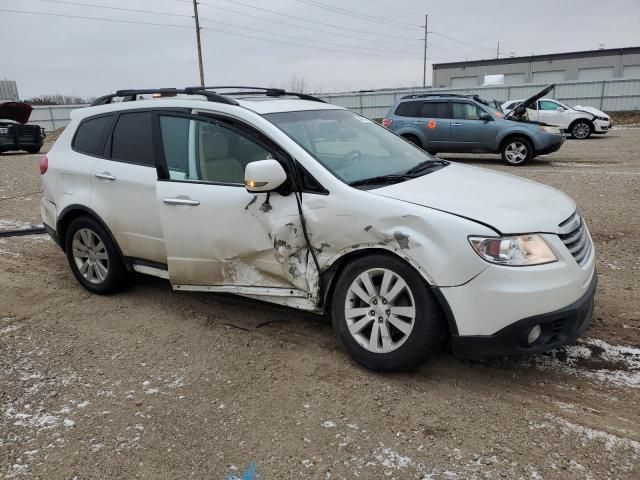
552	76
463	82
631	71
514	78
597	73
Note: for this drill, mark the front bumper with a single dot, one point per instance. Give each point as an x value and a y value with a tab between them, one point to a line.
550	147
559	327
601	126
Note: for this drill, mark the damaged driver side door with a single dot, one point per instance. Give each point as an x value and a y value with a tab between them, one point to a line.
218	236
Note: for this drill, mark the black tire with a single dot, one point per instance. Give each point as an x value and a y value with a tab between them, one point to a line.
428	335
33	150
413	139
522	146
116	276
581	129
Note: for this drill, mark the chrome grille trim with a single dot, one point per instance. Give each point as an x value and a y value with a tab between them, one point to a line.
575	236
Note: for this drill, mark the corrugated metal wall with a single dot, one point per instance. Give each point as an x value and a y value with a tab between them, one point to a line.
8	90
606	95
51	117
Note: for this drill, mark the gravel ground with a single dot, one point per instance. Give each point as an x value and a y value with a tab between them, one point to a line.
156	384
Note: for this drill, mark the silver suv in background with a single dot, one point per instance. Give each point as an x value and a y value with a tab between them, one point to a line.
465	123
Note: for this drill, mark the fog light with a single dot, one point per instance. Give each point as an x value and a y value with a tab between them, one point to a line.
534	334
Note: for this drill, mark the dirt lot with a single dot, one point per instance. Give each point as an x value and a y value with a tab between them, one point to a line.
157	384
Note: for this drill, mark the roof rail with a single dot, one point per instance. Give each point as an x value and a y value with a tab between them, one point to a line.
131	95
425	95
267	91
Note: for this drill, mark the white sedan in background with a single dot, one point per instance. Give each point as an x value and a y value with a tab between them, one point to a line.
579	121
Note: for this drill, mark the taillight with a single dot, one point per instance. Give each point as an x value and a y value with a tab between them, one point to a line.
44	165
386	122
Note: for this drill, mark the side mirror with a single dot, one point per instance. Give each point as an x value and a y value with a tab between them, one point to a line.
264	176
485	116
560	109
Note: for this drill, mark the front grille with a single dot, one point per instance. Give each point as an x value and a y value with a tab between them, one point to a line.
575	236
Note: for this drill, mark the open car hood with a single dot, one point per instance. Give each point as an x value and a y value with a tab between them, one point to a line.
16	111
521	108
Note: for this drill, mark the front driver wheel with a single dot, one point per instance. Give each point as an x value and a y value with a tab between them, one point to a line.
517	151
93	257
581	130
385	315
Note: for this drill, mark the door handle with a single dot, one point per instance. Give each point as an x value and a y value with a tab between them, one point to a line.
455	124
105	176
181	201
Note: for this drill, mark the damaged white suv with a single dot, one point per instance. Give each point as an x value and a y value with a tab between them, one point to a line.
284	198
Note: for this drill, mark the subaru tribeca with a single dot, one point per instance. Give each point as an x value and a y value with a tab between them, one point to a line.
284	198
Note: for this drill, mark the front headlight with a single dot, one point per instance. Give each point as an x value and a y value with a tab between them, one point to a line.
4	131
547	129
605	119
516	251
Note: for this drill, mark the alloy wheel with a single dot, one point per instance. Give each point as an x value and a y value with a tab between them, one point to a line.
380	310
516	152
90	255
581	130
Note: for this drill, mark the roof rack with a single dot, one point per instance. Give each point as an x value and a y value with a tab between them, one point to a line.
425	95
242	90
131	95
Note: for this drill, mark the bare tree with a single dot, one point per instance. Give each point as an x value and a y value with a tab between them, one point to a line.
296	84
57	99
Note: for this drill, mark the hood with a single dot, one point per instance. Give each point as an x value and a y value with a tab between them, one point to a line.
520	109
16	111
591	110
504	202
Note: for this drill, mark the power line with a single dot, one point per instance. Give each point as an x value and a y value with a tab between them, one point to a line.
280	22
135	10
83	17
461	42
332	25
295	37
351	13
96	18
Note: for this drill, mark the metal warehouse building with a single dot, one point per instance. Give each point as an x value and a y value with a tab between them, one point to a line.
556	67
8	90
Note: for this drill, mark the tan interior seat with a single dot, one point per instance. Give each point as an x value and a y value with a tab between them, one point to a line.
215	163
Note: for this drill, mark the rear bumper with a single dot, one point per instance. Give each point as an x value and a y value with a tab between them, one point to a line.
559	327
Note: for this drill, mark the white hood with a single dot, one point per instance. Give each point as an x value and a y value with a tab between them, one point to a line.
507	203
592	110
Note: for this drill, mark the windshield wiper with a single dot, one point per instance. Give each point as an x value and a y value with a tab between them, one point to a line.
425	167
381	179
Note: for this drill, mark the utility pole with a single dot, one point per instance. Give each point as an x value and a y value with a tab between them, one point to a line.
498	50
424	58
195	16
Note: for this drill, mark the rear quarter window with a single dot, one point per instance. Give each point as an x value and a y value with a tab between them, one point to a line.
408	109
92	134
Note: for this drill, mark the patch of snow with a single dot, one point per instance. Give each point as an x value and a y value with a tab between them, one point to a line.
391	459
328	424
568	360
610	440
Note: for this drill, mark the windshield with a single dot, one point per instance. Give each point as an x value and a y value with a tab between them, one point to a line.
350	146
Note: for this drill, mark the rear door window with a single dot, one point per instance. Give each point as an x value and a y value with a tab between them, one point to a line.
434	110
92	135
132	140
408	109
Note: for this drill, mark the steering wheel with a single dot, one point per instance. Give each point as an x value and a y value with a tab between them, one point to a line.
349	158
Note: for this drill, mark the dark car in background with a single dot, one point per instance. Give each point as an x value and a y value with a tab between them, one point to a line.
15	134
445	122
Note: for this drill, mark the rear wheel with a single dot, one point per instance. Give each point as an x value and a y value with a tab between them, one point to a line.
517	151
385	315
581	129
93	257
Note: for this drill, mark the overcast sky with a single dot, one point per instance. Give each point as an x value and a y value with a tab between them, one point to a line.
378	46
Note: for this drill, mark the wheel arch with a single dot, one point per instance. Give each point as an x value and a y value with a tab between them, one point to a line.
592	126
70	213
339	262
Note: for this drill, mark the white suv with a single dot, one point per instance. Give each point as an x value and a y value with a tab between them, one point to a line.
579	122
287	199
